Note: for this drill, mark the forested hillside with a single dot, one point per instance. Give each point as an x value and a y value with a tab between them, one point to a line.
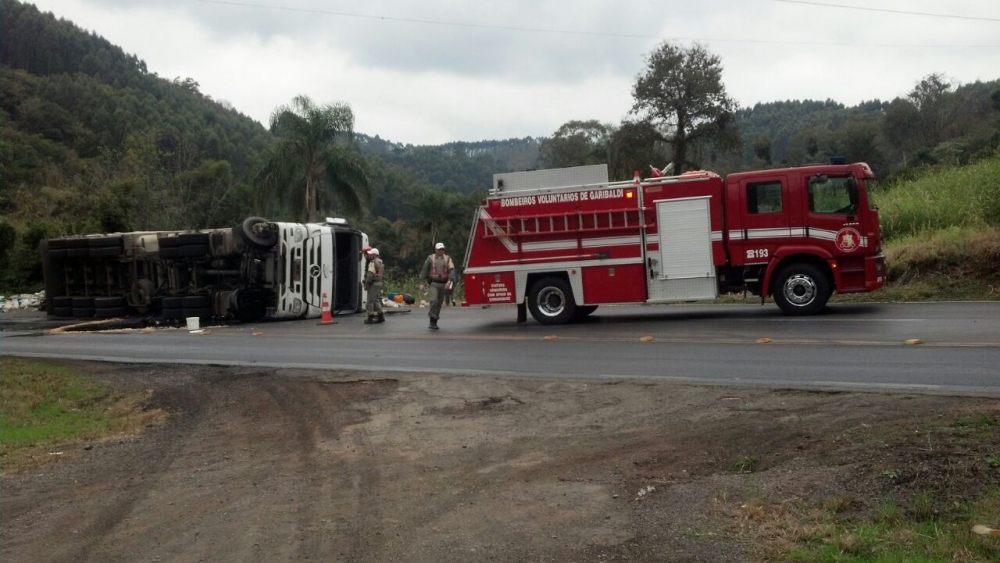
92	140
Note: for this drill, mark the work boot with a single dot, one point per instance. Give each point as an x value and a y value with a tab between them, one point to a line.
380	318
434	324
369	321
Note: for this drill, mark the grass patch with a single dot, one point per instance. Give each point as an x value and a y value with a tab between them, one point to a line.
967	197
917	501
43	404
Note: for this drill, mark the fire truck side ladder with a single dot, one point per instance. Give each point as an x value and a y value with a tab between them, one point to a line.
567	223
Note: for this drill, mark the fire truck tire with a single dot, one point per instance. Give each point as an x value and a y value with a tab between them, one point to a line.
550	301
255	235
584	311
801	289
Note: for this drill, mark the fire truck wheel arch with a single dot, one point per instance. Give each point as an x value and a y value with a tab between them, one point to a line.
801	289
793	255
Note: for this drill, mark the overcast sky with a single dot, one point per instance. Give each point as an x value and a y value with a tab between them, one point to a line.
429	72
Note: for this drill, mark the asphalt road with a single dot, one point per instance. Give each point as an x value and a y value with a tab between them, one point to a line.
850	346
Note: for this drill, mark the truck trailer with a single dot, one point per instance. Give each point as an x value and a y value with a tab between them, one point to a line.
561	242
258	269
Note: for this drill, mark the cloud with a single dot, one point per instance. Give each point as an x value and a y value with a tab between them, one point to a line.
432	83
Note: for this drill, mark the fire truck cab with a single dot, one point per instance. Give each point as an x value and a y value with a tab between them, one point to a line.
560	242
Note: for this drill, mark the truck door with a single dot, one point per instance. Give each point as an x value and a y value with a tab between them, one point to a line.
762	222
683	269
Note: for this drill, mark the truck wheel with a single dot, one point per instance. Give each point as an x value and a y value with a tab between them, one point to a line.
109	302
801	289
551	301
62	311
83	302
107	313
257	232
83	312
246	307
62	301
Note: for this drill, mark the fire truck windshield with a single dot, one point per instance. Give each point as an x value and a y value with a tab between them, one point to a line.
833	195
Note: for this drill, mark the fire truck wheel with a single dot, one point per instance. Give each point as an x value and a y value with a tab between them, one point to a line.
257	232
801	289
551	301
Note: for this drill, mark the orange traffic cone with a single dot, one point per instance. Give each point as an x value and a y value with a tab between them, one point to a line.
327	316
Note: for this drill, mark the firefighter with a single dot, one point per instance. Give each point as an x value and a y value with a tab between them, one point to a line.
437	270
374	273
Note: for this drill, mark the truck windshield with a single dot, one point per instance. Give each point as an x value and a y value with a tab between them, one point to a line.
833	195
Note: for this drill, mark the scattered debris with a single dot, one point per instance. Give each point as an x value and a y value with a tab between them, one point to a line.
985	530
764	340
22	301
644	491
646	339
550	337
258	334
913	342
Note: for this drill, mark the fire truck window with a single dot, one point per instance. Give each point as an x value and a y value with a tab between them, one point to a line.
831	195
764	197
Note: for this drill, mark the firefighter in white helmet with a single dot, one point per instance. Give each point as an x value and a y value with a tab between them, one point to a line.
438	270
373	286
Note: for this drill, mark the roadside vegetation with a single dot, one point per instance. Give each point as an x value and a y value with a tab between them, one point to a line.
930	493
942	233
45	406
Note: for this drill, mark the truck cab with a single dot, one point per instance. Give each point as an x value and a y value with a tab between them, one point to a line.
800	233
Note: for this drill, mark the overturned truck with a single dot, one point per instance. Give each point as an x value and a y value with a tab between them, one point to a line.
258	269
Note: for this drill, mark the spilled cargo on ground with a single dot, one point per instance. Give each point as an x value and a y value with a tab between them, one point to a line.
258	269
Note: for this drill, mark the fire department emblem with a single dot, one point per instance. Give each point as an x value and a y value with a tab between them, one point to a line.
848	239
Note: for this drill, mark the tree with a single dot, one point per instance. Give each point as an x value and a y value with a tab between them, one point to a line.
681	91
576	143
635	146
313	156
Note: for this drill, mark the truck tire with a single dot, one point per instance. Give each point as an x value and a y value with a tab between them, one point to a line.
200	312
801	289
196	301
83	302
246	306
109	302
188	251
550	301
172	303
183	239
62	311
173	314
83	312
62	301
257	236
108	312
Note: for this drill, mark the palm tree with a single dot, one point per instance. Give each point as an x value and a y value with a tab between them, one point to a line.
313	156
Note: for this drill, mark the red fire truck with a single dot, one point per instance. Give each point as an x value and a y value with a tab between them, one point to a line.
561	242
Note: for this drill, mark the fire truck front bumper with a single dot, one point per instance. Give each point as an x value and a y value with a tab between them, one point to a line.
875	272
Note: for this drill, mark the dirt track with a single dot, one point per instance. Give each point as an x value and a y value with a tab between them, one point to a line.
334	466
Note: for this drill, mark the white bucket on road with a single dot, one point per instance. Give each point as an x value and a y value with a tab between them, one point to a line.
192	323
